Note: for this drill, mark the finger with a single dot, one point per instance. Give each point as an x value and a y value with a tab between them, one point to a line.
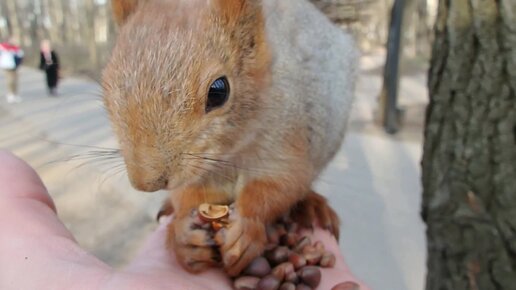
25	205
19	180
35	245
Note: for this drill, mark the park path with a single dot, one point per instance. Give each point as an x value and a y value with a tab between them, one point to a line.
373	183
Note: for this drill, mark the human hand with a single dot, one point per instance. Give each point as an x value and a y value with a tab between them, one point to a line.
38	252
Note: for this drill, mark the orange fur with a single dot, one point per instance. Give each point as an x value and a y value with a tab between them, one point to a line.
314	209
266	200
231	9
262	150
236	50
241	243
122	9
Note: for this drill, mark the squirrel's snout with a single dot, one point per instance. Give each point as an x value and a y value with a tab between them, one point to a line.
150	185
145	171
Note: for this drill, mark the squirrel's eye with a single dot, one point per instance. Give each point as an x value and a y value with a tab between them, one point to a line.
218	94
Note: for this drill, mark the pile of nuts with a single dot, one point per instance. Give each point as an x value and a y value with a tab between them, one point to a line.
291	261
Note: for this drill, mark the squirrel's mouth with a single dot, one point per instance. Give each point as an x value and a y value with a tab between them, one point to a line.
177	184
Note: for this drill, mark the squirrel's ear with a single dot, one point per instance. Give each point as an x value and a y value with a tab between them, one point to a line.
233	9
122	9
230	5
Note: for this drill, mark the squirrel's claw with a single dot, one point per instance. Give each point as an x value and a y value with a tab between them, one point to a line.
241	243
165	210
315	210
193	244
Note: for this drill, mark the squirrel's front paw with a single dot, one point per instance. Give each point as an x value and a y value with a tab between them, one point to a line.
240	243
192	243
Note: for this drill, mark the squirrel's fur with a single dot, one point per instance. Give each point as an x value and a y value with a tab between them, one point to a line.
291	76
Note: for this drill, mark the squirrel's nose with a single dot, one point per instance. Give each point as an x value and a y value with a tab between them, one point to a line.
150	185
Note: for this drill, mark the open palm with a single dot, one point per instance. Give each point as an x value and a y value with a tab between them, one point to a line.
38	252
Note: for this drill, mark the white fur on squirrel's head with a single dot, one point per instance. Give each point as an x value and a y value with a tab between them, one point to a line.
184	81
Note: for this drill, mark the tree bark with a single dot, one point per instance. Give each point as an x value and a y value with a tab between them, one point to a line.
423	29
90	13
7	31
14	19
469	160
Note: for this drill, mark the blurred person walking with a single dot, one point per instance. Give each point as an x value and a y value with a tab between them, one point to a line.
11	56
49	63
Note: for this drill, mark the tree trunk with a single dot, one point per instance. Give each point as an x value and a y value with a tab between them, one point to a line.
55	29
469	161
64	23
90	13
4	13
15	22
423	29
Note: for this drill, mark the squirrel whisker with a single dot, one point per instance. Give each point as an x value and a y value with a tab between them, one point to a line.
224	164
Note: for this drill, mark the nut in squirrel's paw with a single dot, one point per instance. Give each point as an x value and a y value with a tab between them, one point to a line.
216	215
239	240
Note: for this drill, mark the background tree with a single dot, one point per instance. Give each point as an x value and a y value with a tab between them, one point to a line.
469	162
80	30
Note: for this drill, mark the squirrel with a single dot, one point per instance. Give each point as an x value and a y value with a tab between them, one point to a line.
229	101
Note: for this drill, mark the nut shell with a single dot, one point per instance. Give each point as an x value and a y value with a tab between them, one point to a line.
259	267
310	275
268	283
211	212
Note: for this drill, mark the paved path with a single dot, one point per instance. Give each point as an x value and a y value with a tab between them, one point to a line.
373	183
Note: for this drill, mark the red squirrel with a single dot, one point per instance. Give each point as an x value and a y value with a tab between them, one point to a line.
229	101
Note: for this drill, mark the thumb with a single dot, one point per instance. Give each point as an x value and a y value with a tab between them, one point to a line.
35	247
25	205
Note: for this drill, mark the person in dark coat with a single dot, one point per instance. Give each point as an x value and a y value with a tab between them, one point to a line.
50	64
